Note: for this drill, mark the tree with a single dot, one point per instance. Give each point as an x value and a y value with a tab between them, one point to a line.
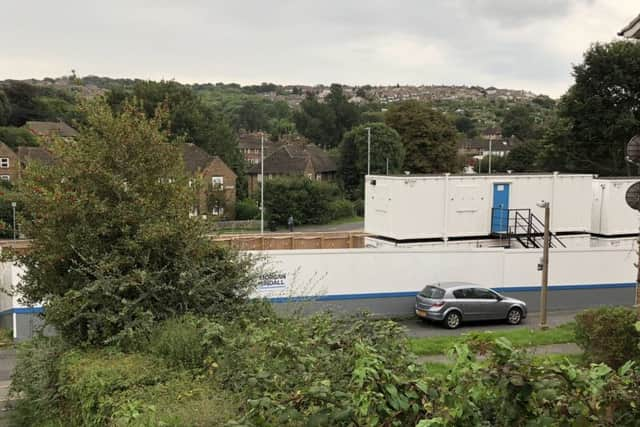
113	247
466	125
602	108
326	123
17	137
428	136
352	164
524	157
519	121
5	108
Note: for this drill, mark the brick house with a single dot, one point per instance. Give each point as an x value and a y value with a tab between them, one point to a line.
295	160
9	164
217	195
250	146
47	130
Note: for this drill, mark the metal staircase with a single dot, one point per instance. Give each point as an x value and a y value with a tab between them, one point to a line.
521	225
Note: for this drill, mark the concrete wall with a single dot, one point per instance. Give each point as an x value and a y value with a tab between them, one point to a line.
385	281
610	214
426	207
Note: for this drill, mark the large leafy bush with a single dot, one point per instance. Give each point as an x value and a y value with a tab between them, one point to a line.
113	247
608	335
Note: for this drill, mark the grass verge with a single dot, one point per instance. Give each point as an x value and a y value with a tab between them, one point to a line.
521	337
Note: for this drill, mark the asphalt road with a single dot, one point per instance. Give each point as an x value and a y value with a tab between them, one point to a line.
418	328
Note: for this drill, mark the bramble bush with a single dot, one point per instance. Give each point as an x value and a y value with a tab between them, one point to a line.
608	335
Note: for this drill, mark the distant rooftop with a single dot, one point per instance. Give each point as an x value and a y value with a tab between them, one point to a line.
51	128
632	30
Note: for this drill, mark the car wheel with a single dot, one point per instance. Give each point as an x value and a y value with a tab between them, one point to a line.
452	320
514	317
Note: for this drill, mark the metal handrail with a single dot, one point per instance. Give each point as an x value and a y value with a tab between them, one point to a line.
523	220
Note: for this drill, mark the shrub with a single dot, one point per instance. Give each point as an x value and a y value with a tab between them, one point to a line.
247	209
309	202
34	380
342	208
608	335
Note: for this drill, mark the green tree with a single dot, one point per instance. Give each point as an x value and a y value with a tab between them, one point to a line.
113	246
465	124
602	108
428	136
524	157
352	164
5	108
519	121
17	137
325	123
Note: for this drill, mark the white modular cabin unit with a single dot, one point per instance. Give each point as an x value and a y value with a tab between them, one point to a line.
413	207
610	214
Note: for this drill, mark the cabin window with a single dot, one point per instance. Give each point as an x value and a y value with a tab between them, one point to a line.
4	162
5	178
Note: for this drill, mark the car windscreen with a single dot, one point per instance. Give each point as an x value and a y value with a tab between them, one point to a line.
432	292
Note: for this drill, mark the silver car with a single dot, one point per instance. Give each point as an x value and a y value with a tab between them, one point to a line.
453	303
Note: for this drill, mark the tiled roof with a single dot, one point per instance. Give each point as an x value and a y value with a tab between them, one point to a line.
293	159
51	128
196	159
483	144
631	30
39	154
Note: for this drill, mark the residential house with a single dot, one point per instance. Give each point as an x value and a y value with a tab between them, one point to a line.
27	155
295	160
9	164
632	30
45	131
480	147
250	145
217	196
491	133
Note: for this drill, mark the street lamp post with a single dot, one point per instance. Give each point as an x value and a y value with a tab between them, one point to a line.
262	183
545	266
490	143
13	207
369	151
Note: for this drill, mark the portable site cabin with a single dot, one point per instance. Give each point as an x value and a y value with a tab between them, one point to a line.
414	207
610	214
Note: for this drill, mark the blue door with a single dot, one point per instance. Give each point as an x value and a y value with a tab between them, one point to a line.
500	211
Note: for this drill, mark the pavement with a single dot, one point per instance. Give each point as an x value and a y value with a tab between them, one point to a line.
417	328
542	350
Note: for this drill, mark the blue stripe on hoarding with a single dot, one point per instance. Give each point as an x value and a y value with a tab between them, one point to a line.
338	297
22	310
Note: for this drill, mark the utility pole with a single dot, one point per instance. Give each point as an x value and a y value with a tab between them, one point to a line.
262	183
387	166
368	151
13	207
490	143
545	266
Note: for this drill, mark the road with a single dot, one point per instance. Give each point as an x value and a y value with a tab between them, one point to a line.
416	328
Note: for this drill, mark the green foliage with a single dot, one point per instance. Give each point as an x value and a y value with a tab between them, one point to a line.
510	388
5	108
608	335
465	124
325	123
179	342
247	209
35	380
308	201
31	102
113	246
428	136
342	208
520	121
524	157
602	109
352	164
17	137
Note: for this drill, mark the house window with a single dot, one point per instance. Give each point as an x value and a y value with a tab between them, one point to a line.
5	178
217	211
4	162
318	177
218	182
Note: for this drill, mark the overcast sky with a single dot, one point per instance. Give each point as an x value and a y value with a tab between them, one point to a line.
519	44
